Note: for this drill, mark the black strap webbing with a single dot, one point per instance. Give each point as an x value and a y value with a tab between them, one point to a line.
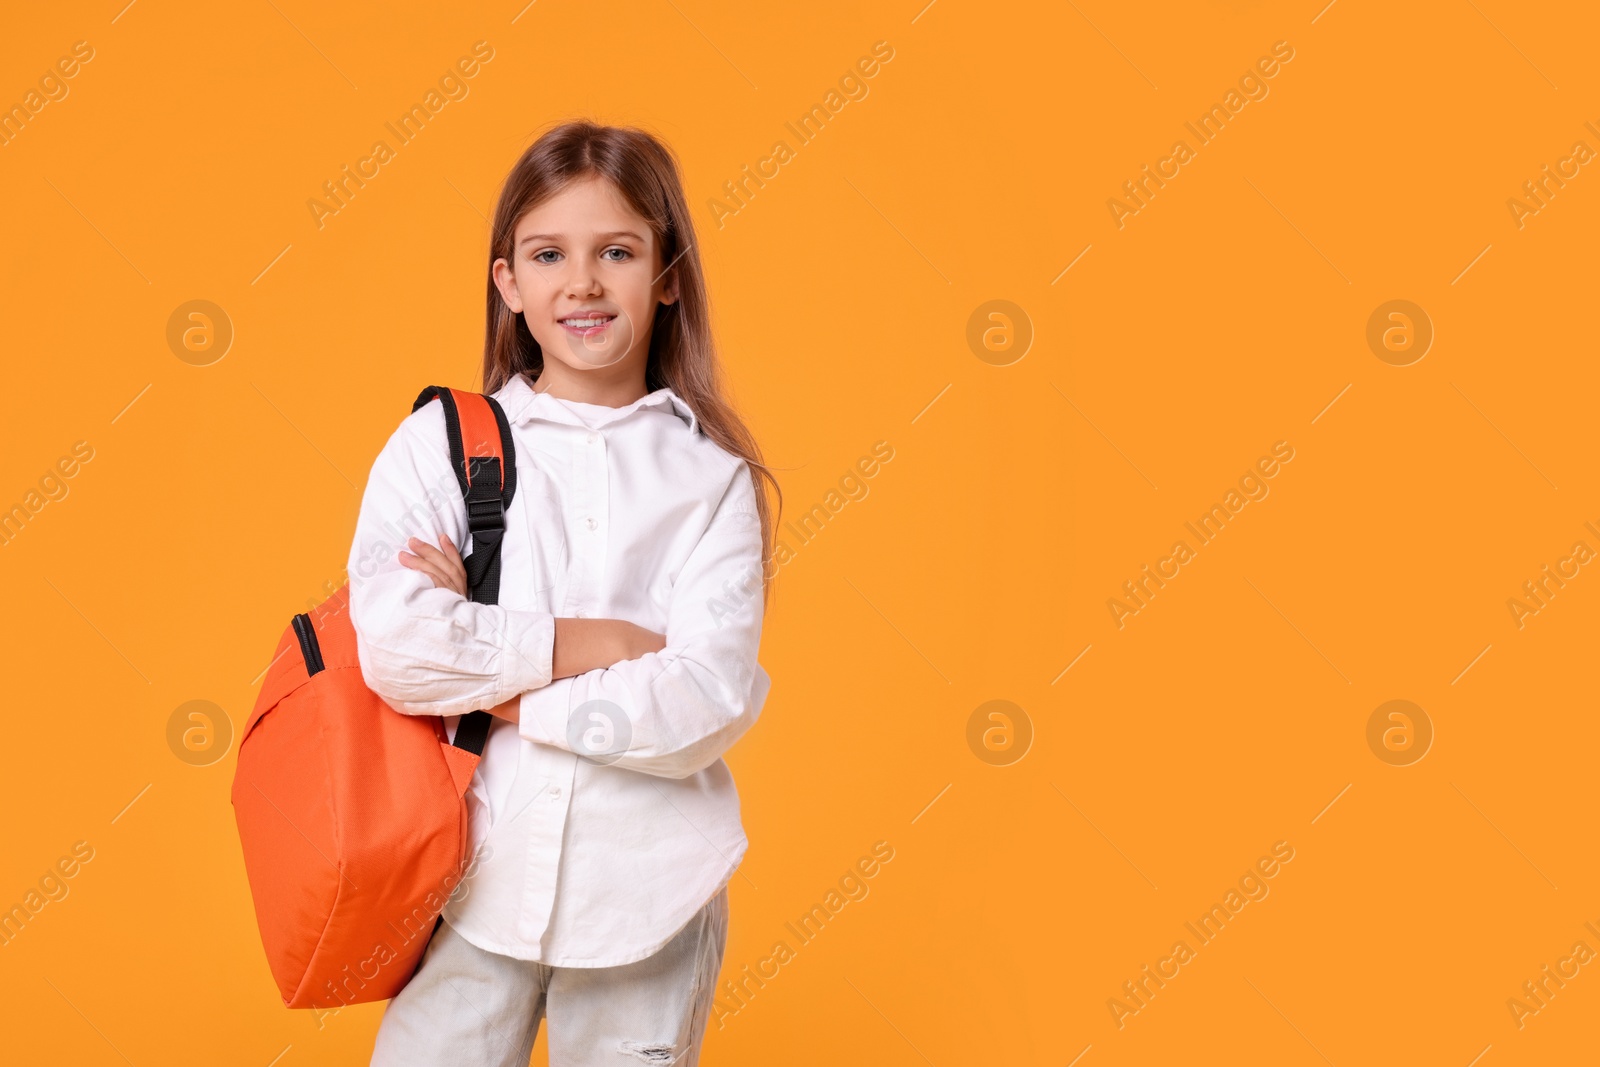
486	507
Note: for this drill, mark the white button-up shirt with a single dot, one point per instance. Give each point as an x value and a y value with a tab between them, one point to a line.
606	818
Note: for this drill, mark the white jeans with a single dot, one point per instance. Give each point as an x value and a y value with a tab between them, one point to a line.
465	1007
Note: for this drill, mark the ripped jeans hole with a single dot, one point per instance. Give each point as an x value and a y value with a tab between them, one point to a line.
656	1053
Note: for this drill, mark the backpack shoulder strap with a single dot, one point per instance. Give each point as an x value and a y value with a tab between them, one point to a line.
485	461
478	432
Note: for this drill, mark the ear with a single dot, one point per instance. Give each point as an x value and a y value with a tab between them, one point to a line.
669	288
505	281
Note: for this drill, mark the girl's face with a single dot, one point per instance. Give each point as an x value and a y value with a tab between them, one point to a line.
586	276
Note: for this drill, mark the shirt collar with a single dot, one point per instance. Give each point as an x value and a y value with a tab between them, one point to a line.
522	404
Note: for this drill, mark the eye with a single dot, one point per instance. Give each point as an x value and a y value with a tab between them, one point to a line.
537	257
626	255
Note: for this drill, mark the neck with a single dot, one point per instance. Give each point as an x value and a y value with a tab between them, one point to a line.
591	387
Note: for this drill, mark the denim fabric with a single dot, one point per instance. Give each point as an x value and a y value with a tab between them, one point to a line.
466	1007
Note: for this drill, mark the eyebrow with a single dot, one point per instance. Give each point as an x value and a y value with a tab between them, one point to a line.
559	236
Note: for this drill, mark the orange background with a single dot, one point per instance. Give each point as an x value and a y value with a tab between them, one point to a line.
1226	315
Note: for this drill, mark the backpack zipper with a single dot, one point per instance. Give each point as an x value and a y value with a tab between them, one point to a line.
310	651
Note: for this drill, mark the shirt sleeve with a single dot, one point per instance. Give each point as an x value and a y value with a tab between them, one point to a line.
675	712
427	650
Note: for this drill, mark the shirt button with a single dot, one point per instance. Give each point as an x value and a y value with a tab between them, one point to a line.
555	790
591	522
592	438
578	613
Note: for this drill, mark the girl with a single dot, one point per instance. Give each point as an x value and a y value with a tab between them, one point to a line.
620	661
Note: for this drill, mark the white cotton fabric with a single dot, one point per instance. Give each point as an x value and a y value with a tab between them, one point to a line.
627	513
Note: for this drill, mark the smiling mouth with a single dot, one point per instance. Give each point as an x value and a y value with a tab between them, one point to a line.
587	325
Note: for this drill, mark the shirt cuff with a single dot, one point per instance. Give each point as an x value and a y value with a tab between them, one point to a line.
543	713
527	661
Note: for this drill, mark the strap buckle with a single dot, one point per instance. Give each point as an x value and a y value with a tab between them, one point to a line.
485	503
486	514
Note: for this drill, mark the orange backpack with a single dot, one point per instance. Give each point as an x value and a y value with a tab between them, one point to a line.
352	815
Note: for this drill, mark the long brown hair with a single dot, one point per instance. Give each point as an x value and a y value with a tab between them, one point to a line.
682	353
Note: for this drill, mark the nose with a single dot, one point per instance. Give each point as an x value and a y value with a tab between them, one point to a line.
582	279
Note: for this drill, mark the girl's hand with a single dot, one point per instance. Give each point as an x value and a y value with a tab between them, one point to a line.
443	564
583	645
511	710
632	641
